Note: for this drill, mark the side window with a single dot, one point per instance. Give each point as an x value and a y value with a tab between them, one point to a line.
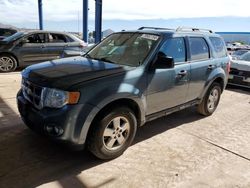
175	48
219	46
36	38
198	48
69	39
57	38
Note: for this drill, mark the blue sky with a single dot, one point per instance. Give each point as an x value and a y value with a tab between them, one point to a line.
66	15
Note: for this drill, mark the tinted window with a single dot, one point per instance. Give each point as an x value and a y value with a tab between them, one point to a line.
57	38
219	46
175	48
198	48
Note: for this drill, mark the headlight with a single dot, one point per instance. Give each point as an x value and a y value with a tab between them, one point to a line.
55	98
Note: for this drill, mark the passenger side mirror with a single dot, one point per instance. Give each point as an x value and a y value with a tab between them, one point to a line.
163	61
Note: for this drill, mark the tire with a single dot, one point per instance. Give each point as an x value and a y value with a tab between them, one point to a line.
211	100
7	63
112	134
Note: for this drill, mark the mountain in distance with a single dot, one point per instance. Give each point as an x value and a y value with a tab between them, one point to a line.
7	26
217	24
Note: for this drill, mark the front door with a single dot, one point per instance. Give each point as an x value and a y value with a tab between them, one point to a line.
33	50
168	87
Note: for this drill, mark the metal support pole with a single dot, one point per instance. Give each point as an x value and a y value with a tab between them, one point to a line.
40	10
98	20
85	20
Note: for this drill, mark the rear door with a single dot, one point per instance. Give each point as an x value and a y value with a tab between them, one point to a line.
55	45
201	66
168	87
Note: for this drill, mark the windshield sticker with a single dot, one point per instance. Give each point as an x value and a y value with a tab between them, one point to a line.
150	37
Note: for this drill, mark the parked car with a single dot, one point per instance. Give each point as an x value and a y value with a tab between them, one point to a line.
6	32
240	71
26	48
129	78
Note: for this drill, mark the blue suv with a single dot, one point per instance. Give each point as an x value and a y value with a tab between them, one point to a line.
131	77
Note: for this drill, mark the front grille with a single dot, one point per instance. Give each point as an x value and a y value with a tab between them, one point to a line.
239	81
33	93
237	72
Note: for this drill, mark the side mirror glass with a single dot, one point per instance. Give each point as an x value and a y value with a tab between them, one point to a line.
163	61
24	41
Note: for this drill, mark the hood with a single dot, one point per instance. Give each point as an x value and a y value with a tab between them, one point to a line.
241	65
64	73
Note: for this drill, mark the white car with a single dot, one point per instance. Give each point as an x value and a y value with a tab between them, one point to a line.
240	71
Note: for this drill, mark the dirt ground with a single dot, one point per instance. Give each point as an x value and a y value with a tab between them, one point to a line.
183	149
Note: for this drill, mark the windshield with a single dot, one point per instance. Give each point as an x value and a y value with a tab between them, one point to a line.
129	49
239	52
14	37
245	57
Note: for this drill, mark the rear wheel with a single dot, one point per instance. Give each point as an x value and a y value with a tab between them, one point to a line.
7	63
113	133
211	100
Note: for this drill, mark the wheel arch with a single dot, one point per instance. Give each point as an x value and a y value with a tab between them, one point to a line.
220	79
125	102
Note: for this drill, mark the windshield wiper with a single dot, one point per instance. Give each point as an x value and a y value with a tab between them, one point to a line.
99	59
88	56
107	60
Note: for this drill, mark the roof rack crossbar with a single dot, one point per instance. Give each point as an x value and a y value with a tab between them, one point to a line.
193	29
155	28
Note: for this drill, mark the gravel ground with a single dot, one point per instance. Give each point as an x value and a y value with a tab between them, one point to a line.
183	149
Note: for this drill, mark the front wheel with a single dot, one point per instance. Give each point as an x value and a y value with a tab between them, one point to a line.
210	100
7	63
113	133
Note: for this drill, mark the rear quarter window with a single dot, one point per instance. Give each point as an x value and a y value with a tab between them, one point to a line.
219	46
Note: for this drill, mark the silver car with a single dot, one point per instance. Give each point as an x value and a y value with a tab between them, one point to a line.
240	71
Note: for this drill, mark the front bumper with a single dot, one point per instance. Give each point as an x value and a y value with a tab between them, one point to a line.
70	120
239	80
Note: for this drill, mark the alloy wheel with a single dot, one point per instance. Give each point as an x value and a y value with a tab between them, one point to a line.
6	64
116	133
213	99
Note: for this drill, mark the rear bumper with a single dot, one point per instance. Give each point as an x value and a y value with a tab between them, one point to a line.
69	120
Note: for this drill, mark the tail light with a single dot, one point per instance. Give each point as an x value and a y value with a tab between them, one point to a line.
83	44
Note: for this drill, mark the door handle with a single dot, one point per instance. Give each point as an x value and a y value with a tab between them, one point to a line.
182	73
43	46
210	67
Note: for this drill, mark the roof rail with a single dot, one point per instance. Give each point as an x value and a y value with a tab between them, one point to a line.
193	29
155	28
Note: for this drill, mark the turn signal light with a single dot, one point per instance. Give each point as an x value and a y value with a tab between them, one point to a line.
73	97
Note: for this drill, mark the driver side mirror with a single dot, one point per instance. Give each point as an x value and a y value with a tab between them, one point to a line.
24	41
163	62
